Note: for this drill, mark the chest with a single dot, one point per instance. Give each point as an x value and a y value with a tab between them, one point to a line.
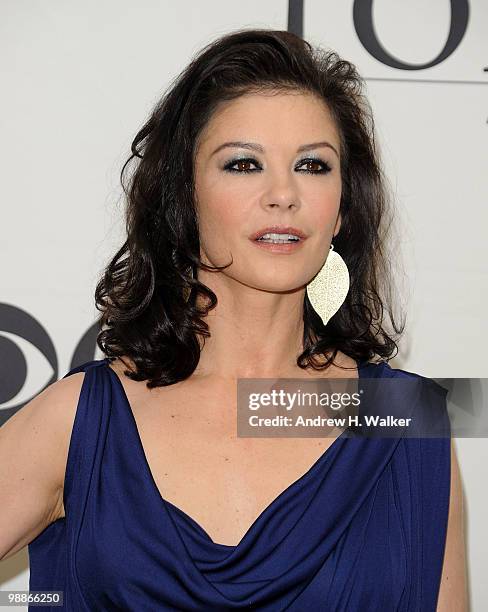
198	463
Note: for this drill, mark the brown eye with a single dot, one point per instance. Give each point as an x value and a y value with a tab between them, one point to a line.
243	165
313	166
316	166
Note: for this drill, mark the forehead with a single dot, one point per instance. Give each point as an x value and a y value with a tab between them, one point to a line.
271	118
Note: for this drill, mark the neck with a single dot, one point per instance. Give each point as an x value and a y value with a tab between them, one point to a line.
253	334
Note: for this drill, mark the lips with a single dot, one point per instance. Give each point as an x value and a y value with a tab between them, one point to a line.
279	229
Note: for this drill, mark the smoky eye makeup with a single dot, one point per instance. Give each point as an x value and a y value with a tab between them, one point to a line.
247	165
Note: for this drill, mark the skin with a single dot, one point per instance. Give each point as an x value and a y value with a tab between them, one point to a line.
453	592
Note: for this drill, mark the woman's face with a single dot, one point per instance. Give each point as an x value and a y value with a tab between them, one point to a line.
273	177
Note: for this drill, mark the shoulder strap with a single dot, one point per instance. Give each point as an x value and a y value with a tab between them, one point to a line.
89	429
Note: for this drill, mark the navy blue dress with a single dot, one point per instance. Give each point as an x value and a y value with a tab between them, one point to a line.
362	530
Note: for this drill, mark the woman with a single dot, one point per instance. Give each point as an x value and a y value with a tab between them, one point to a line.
148	499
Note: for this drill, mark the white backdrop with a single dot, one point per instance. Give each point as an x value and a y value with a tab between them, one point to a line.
79	79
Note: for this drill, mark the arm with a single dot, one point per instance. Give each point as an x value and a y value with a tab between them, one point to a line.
453	593
34	445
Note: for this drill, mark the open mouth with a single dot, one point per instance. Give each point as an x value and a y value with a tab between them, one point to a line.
274	238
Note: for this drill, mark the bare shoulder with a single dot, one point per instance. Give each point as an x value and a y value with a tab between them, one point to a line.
34	445
48	417
54	408
43	426
453	592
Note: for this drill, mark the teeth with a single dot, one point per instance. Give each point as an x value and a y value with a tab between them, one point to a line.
279	238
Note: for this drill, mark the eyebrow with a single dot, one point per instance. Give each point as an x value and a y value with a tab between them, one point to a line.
257	147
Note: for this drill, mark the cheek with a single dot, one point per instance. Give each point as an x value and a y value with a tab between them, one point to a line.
324	207
221	221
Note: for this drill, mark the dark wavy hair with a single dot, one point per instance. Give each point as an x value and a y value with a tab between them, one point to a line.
148	292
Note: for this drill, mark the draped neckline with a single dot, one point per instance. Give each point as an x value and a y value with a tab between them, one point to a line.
147	473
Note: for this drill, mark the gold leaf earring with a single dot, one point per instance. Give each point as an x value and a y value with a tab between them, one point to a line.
329	287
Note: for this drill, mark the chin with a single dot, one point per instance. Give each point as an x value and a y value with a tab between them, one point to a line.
277	285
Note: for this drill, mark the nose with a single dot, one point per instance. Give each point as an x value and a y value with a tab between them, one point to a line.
282	193
284	205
